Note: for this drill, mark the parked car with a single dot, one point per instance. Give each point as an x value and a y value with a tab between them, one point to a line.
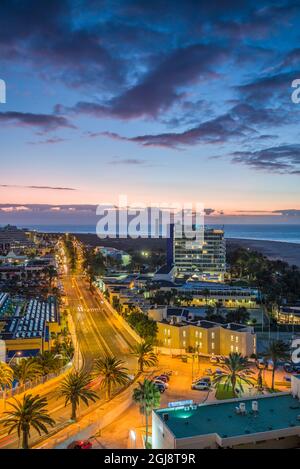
165	375
162	383
214	359
160	387
161	378
84	444
201	386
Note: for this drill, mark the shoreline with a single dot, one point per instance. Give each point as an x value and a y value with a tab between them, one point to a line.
275	250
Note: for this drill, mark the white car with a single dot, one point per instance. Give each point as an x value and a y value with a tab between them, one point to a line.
201	386
158	381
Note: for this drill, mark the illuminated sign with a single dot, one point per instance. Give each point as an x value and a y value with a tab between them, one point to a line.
181	403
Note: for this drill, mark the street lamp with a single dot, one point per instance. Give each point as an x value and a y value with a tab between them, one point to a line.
19	354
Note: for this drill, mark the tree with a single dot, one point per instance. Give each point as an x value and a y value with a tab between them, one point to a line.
74	388
239	315
6	375
234	373
48	362
147	396
30	412
26	370
145	355
145	327
51	273
277	350
113	373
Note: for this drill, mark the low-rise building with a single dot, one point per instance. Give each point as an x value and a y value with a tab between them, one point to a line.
177	334
26	326
263	422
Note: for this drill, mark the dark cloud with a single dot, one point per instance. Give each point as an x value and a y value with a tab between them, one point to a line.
158	89
243	120
284	159
128	161
46	122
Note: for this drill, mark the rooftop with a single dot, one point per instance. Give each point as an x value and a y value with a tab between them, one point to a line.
274	413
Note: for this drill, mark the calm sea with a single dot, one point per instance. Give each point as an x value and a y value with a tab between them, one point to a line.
285	233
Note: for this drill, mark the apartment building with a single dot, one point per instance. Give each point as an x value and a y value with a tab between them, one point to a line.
199	252
206	337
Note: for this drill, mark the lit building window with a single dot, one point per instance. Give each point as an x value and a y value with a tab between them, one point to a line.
200	335
184	343
232	338
165	331
236	349
237	339
213	345
196	333
169	332
231	348
200	344
212	335
184	333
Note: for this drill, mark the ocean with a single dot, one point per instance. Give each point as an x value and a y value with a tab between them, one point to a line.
279	232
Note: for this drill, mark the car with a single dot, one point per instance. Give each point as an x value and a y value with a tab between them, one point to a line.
161	378
214	359
160	387
218	371
201	386
82	444
161	383
164	375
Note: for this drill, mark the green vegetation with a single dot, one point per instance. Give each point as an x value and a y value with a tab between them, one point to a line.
145	327
147	396
113	373
27	369
93	263
30	412
235	373
6	376
277	350
74	388
276	279
145	355
69	245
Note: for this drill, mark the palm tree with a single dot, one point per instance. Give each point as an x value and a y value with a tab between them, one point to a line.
147	396
6	375
277	350
234	370
26	370
30	412
74	388
48	362
113	373
145	355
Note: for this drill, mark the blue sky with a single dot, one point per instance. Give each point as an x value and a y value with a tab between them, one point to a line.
164	101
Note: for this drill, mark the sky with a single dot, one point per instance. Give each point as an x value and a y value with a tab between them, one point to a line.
186	101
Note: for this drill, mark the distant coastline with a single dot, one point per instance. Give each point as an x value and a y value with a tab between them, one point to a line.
279	250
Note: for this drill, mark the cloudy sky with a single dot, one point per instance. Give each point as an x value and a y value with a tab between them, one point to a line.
186	101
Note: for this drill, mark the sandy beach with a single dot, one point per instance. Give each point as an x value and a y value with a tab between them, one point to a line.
287	252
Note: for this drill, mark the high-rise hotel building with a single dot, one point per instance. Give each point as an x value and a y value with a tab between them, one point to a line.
201	254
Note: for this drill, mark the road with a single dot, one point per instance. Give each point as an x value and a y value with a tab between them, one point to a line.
98	334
